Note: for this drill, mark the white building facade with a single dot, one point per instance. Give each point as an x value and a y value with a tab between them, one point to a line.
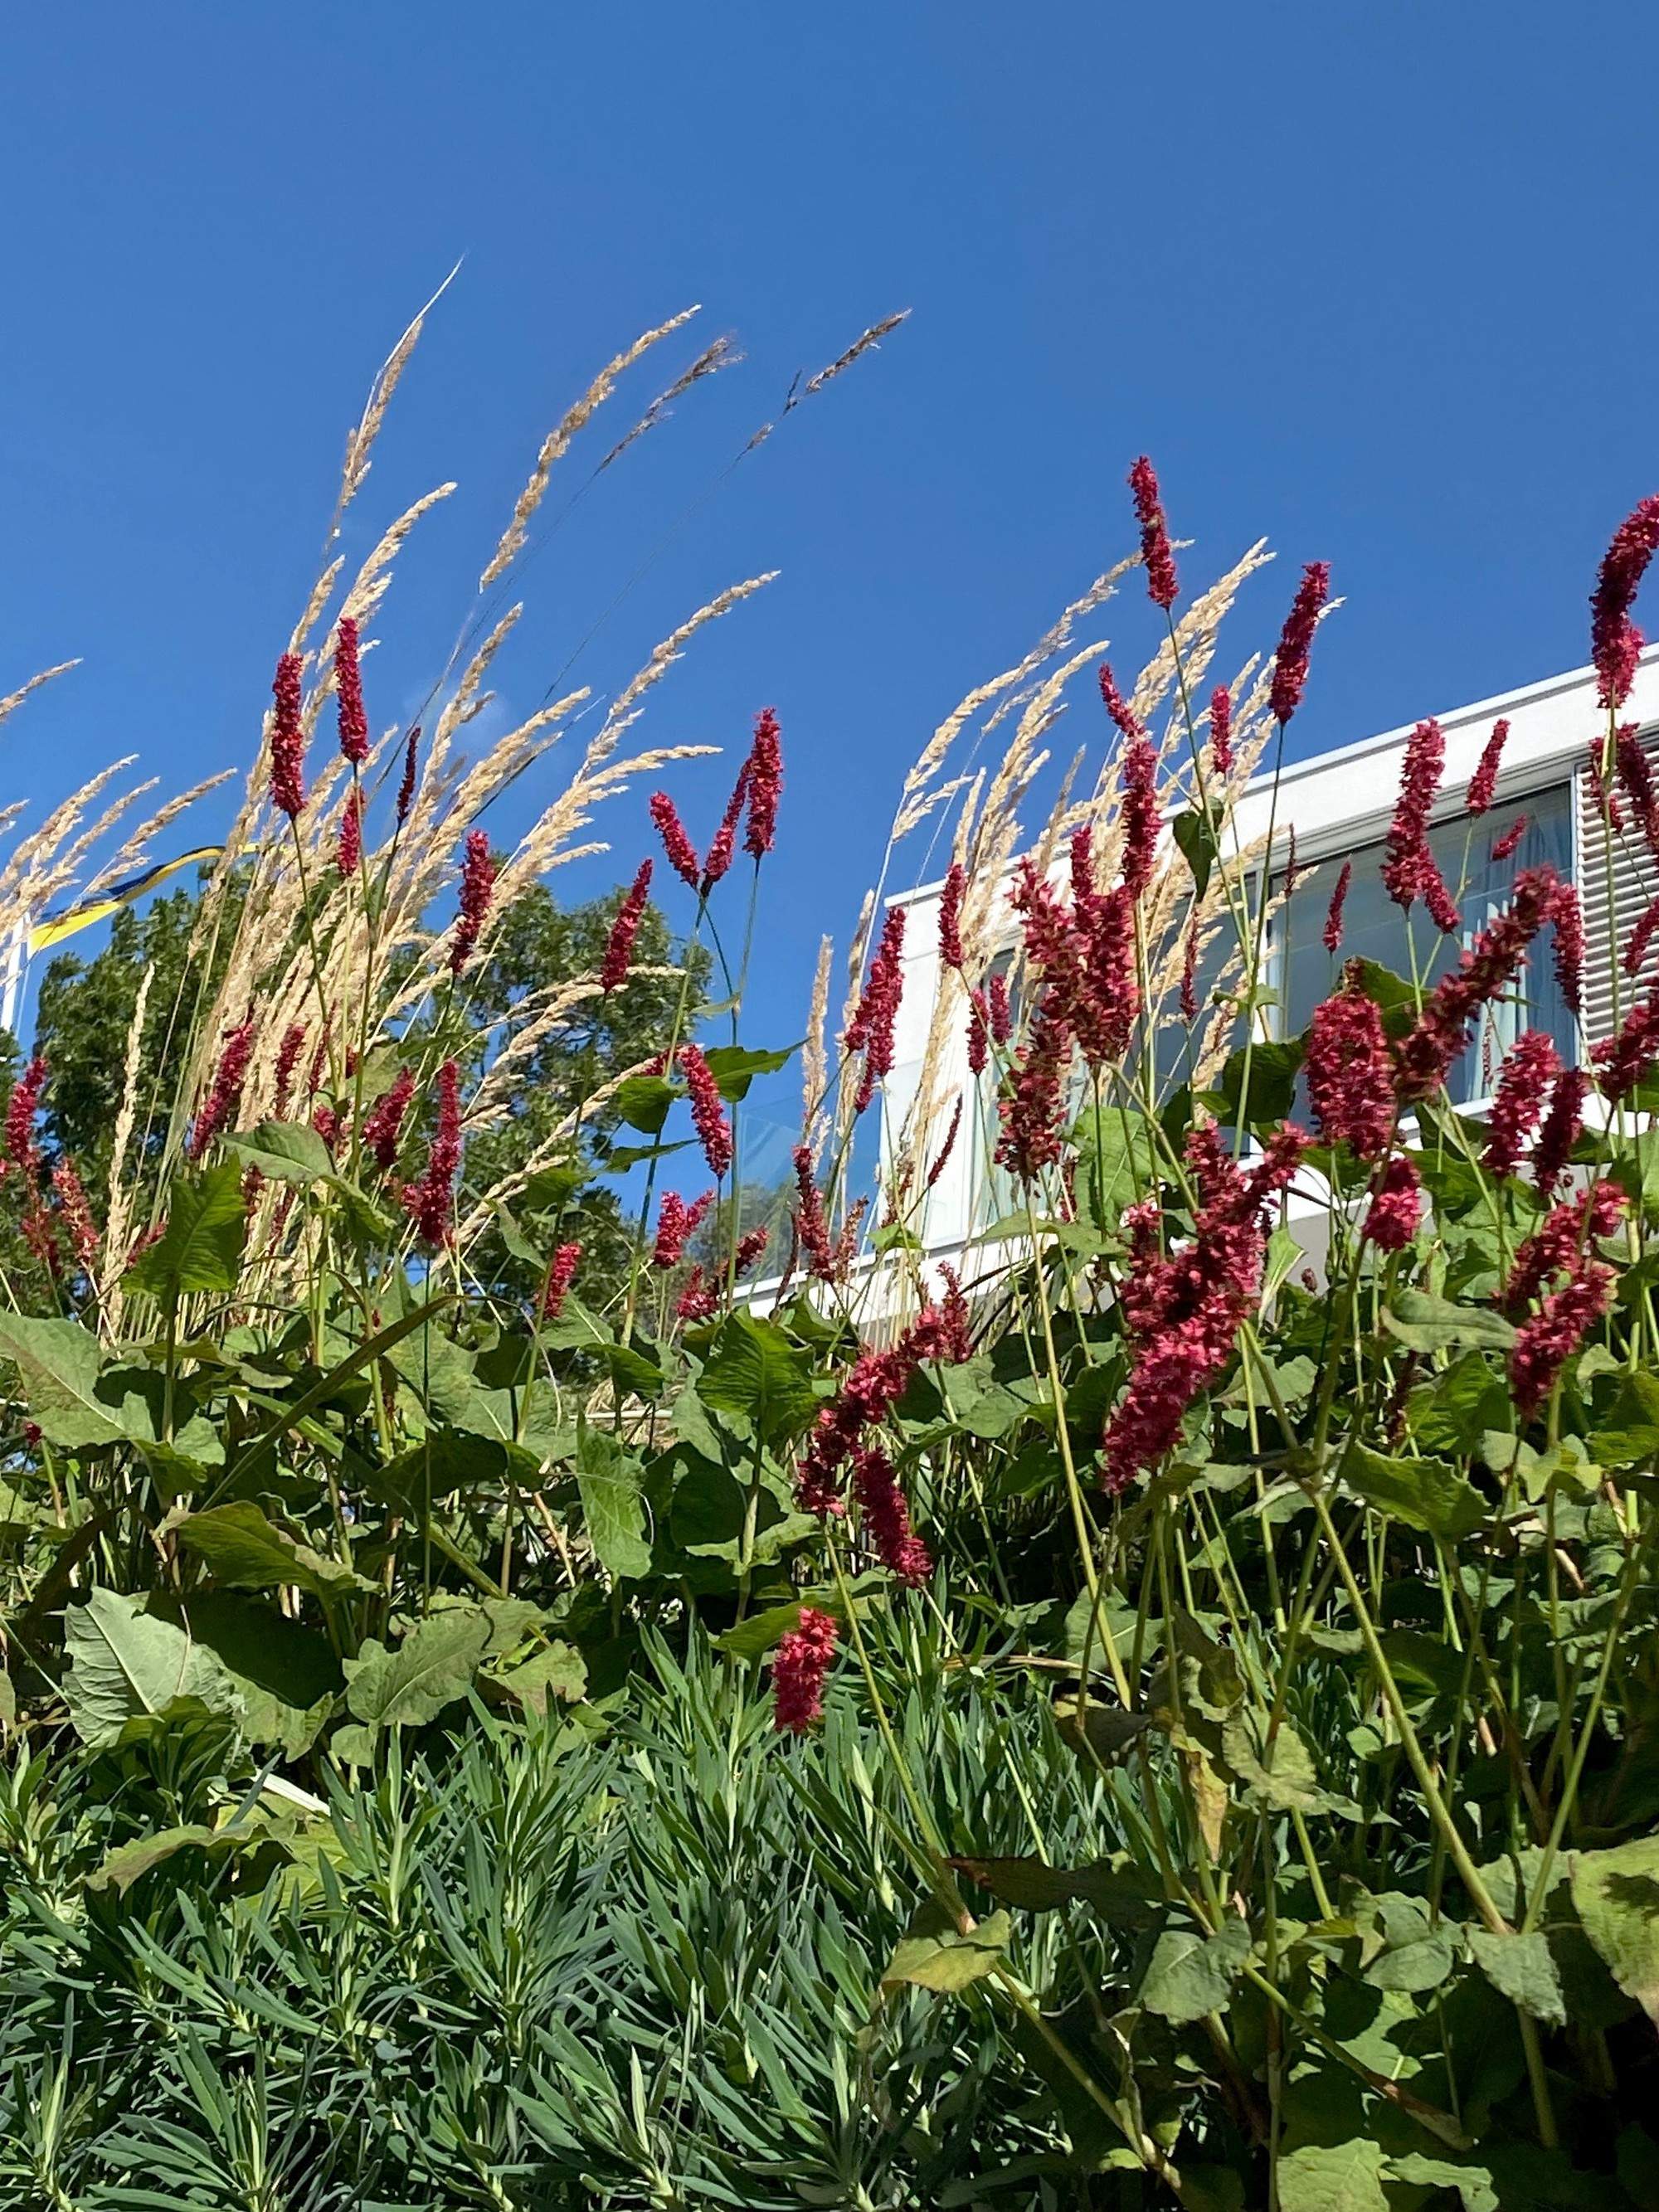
1339	805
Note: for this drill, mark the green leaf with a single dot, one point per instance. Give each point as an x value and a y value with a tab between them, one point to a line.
411	1683
1616	1894
1345	2176
201	1249
1189	1974
613	1505
1630	1430
643	1101
244	1550
60	1364
285	1674
734	1067
285	1152
621	1158
754	1369
1523	1969
1098	1731
558	1670
1274	1068
1121	1889
1116	1161
935	1955
1425	1323
124	1663
1194	833
1282	1774
119	1869
1428	1494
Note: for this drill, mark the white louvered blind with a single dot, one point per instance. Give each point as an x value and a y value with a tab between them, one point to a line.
1630	871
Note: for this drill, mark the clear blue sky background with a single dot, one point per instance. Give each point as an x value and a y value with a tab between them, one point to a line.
1373	280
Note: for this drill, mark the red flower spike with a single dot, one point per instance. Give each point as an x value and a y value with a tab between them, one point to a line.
695	1302
288	740
886	1517
750	1249
353	721
1396	1206
1221	730
1155	548
681	852
20	1148
383	1124
349	853
725	843
1333	912
406	781
430	1202
1350	1077
619	946
1407	865
676	1221
708	1110
871	1030
1296	640
224	1097
1615	641
1483	784
477	892
1140	815
1562	1126
1518	1106
950	915
1116	706
799	1666
561	1274
76	1212
765	785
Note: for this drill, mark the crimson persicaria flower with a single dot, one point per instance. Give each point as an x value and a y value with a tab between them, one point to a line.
799	1666
681	852
1567	928
21	1151
944	1150
348	687
1296	640
811	1226
707	1111
978	1037
1349	1075
1486	969
1615	641
1560	1240
430	1202
750	1247
725	843
1155	548
619	946
885	1516
1635	949
1117	706
383	1124
1221	729
1001	1013
406	781
1562	1126
1483	784
696	1302
1190	977
288	1059
288	740
1506	845
676	1220
1628	1057
765	785
478	891
871	1030
561	1274
1635	773
1333	912
349	852
1396	1206
225	1093
1140	814
1407	864
1544	1343
76	1212
950	915
1518	1106
876	1381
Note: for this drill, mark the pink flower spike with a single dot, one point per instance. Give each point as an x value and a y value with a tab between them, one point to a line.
1117	707
708	1110
406	781
1507	846
430	1203
1333	912
478	891
765	785
1518	1106
950	915
349	852
1155	548
725	843
1615	641
383	1124
224	1099
561	1274
1396	1207
1221	730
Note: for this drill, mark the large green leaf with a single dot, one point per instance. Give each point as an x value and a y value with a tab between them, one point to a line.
754	1369
124	1663
557	1670
1189	1975
1429	1494
734	1067
285	1152
643	1101
1272	1069
1123	1892
244	1550
60	1365
201	1248
1426	1323
613	1503
286	1674
1345	2176
1616	1894
1116	1161
411	1682
934	1954
1524	1969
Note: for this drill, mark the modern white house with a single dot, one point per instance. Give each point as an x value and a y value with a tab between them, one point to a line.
1340	804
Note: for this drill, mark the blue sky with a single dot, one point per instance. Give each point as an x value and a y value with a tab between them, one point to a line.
1371	280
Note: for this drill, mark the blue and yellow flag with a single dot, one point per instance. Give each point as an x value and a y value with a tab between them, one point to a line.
52	929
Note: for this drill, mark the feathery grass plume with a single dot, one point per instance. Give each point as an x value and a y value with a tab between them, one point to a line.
385	382
118	1209
557	443
722	353
815	1051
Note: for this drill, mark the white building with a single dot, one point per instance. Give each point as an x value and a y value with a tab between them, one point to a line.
1340	804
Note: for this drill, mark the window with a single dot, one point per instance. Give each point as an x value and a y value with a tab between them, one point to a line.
1376	929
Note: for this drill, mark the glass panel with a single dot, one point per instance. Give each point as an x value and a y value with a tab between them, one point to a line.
1376	929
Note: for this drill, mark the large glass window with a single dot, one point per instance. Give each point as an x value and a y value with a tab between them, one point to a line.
1375	928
